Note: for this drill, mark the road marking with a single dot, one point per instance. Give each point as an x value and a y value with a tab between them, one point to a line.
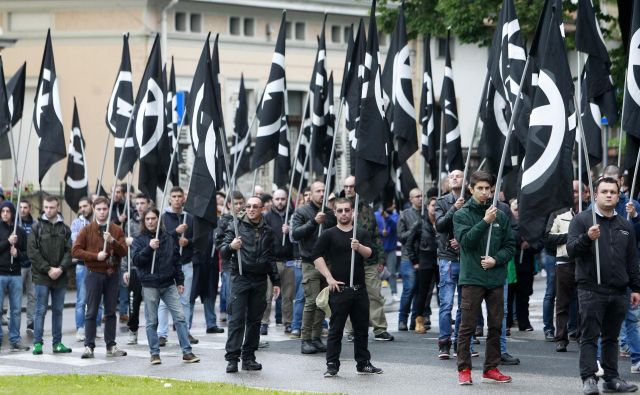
18	371
57	359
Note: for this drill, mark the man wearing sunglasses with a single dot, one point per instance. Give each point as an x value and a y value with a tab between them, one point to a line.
254	244
348	293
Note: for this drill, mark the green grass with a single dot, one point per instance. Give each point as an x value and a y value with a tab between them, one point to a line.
69	384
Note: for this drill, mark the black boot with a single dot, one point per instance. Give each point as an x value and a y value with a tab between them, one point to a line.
232	367
308	347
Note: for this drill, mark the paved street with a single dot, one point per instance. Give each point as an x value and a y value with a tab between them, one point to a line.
410	363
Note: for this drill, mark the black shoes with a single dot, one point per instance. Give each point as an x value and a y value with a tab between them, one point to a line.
332	370
251	365
232	367
508	359
444	349
402	327
590	386
561	347
308	347
264	329
368	368
215	329
319	345
548	336
383	336
617	385
162	341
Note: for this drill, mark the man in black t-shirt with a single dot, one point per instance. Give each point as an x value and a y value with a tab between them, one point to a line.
334	248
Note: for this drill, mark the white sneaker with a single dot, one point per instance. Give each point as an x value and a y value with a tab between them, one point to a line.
133	338
396	298
99	332
635	368
600	371
80	335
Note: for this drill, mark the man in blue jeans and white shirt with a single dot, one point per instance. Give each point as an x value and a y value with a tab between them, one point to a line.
178	224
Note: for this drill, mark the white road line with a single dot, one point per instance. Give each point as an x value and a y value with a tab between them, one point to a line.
57	359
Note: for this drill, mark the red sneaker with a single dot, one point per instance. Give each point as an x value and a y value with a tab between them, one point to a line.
495	376
464	377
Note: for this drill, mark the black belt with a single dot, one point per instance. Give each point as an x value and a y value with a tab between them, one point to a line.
355	287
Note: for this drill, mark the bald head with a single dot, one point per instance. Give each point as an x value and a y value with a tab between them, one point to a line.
280	199
349	186
317	193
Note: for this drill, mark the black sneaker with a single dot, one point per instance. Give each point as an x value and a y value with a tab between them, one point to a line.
573	336
350	337
193	340
618	385
319	345
162	340
508	359
479	332
590	386
561	347
215	329
402	327
264	330
548	336
308	347
454	348
332	370
444	351
474	354
30	329
251	365
232	367
287	329
368	368
383	337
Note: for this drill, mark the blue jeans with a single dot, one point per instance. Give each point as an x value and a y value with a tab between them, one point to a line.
408	274
391	262
57	305
81	298
12	286
171	299
548	305
631	333
449	273
224	291
163	311
298	303
210	316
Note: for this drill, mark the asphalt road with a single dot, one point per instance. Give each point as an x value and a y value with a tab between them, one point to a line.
410	362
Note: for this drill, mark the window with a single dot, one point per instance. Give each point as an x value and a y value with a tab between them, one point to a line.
234	26
382	39
300	28
196	23
347	32
336	33
249	27
287	31
181	22
442	47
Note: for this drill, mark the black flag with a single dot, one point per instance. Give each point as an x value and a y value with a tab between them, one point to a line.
598	95
271	110
450	114
330	120
631	110
430	126
5	113
352	90
318	90
171	112
303	148
47	118
119	112
148	124
76	179
372	149
548	168
242	137
15	93
396	81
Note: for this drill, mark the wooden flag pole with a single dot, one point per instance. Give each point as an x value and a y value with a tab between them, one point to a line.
514	113
104	159
355	228
327	184
593	204
473	135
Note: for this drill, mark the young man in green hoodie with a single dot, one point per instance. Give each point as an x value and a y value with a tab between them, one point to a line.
482	277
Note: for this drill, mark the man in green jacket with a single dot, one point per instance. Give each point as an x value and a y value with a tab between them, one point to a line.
482	277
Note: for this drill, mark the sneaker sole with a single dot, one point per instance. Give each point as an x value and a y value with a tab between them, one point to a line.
329	375
369	373
488	380
87	357
381	340
465	383
156	362
443	357
116	356
62	352
195	360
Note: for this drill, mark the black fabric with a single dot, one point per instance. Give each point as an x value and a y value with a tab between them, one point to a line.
524	286
275	220
565	293
224	221
101	287
205	277
618	254
424	282
355	306
135	299
171	221
245	308
8	266
444	226
334	245
304	228
167	269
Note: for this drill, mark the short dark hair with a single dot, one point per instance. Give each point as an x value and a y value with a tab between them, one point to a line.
606	180
266	198
480	175
122	187
221	194
51	198
176	189
100	200
28	203
144	196
342	200
84	199
237	195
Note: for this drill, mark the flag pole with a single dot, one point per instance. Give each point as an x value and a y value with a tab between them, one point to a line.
514	114
441	154
355	227
16	182
473	135
327	184
635	178
24	168
295	161
13	150
104	159
128	208
580	151
588	168
255	179
620	134
239	155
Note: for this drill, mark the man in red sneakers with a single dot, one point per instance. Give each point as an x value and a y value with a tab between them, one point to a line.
482	277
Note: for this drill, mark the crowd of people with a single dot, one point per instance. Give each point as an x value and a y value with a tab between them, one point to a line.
307	257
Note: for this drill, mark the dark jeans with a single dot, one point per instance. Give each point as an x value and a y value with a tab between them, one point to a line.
565	291
245	307
472	297
600	315
135	299
354	305
424	285
99	285
524	287
511	299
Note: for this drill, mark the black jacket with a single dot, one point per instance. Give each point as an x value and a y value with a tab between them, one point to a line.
304	228
406	221
618	254
171	221
422	244
224	221
257	250
444	226
167	268
275	220
7	266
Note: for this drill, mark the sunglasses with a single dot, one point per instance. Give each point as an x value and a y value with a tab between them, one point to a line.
252	206
343	210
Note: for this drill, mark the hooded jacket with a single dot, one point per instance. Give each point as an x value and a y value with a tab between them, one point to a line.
8	266
171	221
49	245
472	231
167	268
